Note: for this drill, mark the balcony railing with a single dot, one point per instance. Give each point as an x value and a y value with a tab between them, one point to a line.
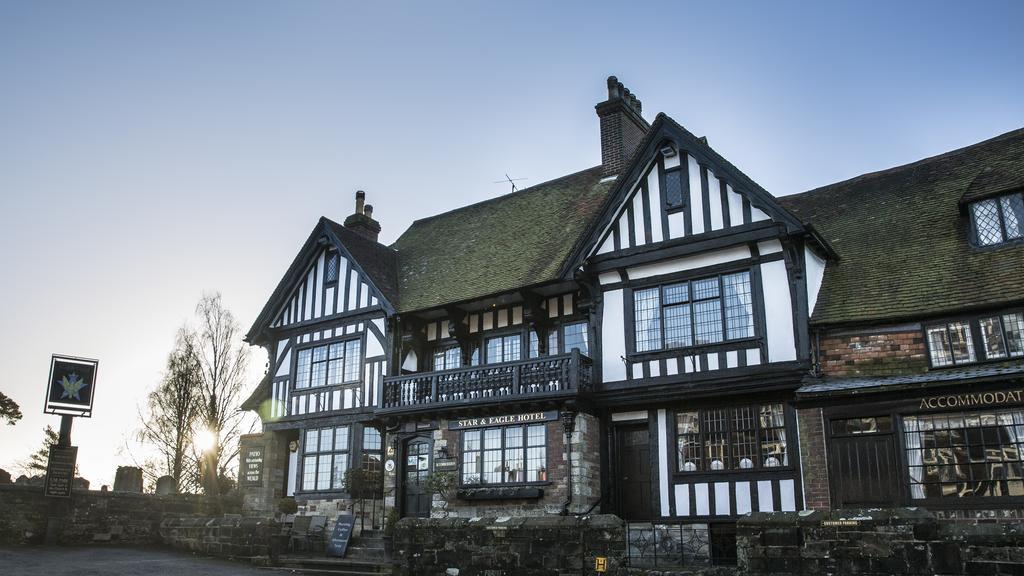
524	379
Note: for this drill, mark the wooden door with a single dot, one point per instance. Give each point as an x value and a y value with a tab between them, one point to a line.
864	471
633	471
416	466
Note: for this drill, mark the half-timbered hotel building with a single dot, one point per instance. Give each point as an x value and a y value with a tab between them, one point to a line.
642	338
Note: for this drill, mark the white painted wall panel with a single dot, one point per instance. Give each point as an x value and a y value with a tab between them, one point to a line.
696	200
284	365
682	499
742	497
663	462
735	206
772	246
638	219
374	346
815	273
654	201
689	262
607	246
625	240
756	215
778	312
722	505
353	287
703	499
715	202
318	294
765	500
787	496
613	338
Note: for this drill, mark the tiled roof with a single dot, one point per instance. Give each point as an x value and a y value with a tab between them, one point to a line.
902	239
499	245
831	386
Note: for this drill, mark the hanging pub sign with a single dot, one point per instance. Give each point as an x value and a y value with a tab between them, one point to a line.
72	386
509	420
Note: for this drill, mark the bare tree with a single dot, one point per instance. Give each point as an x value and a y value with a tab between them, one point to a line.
223	360
173	410
9	410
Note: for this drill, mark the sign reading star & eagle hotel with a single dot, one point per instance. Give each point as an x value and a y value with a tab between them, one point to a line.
72	386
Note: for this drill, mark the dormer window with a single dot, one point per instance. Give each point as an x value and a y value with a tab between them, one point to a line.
989	337
998	220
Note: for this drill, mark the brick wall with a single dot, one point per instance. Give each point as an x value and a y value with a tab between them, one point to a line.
813	458
873	352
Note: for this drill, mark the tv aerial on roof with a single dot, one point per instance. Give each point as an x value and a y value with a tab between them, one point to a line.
511	181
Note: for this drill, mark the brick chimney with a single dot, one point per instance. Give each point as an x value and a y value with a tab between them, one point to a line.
622	127
362	221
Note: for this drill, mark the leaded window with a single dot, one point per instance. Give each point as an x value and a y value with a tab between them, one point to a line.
328	365
965	455
693	313
734	438
505	455
673	182
325	458
372	443
954	343
572	336
504	348
331	272
998	220
447	358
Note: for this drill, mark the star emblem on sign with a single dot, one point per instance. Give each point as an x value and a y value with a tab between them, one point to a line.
73	385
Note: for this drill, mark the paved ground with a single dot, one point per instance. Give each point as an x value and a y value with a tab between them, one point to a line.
95	561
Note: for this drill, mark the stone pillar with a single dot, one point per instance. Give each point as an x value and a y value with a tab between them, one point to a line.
166	485
128	479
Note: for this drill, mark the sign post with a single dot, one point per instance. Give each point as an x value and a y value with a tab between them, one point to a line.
69	393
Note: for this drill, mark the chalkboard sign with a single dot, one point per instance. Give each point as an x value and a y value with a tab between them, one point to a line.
60	471
338	543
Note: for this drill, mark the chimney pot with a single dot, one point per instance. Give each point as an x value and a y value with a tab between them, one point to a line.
362	221
360	199
368	211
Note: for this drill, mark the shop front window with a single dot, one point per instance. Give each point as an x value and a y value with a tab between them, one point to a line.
507	455
965	454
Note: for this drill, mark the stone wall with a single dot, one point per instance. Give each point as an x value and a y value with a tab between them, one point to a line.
881	351
505	546
224	536
262	499
94	516
901	541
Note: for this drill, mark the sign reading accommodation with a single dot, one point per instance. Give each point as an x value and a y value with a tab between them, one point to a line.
72	386
972	399
60	471
484	421
338	543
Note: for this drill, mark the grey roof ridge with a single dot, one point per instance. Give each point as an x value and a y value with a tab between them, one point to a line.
895	169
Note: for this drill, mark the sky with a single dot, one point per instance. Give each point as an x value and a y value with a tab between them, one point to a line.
151	152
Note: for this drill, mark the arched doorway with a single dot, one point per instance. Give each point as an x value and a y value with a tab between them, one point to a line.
416	467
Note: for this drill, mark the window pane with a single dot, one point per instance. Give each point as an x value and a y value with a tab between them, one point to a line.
336	350
326	440
744	438
341	438
492	467
647	319
471	440
960	342
338	471
1013	327
986	222
576	337
773	436
514	471
334	372
311	441
309	473
688	441
371	439
302	369
439	360
352	360
676	293
707	321
991	338
492	439
707	288
1013	215
471	467
715	441
536	464
453	358
513	437
535	435
673	188
331	275
494	346
323	473
512	348
739	310
677	326
319	377
320	354
938	346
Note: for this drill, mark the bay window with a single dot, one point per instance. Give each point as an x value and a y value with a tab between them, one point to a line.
325	458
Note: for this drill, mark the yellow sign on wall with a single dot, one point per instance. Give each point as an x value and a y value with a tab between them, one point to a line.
601	564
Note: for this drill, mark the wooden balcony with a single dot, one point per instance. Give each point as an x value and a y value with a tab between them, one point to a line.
535	379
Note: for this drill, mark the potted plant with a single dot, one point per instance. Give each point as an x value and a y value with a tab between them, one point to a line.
441	483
